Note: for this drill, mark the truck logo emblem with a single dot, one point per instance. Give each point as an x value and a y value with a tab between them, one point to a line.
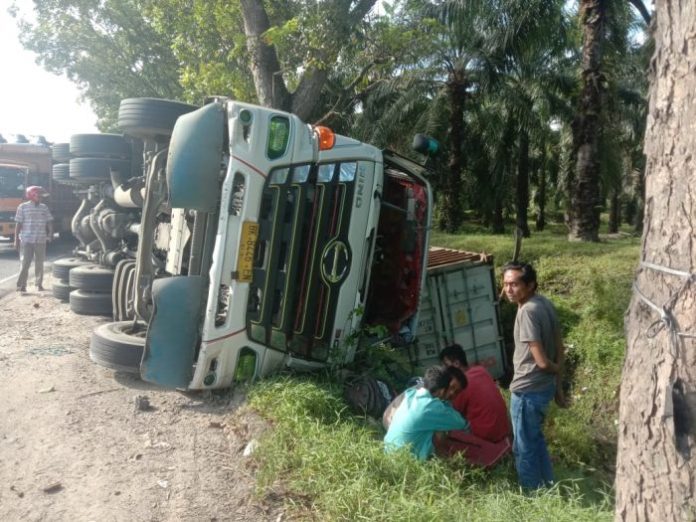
335	262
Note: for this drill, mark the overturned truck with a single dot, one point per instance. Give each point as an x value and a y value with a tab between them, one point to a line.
236	240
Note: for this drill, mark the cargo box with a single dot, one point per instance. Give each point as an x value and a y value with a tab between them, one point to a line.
459	304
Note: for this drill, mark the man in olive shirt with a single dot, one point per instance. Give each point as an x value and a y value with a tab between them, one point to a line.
537	363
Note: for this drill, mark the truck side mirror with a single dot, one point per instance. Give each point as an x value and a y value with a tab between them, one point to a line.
425	145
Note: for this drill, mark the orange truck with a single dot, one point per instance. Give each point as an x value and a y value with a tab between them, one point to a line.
23	165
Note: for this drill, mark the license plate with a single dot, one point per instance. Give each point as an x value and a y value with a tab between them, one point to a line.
247	246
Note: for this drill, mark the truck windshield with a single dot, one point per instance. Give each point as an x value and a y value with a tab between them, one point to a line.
11	182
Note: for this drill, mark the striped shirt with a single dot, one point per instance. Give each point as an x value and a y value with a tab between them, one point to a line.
33	218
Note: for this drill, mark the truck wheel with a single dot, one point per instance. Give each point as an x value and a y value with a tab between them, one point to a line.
62	267
150	117
97	170
118	345
92	278
99	146
61	290
61	172
61	152
84	302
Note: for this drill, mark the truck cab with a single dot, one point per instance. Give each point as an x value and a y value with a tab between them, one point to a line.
268	243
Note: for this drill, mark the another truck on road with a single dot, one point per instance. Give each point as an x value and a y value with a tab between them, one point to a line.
23	165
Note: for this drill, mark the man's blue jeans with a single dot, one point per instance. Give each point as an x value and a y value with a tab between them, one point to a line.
528	410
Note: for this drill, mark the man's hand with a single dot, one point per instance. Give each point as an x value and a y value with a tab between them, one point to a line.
16	244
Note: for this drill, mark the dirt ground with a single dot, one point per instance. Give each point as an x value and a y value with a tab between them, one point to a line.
74	445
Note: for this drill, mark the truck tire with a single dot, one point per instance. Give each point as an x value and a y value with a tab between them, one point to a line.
92	278
84	302
61	152
61	172
150	117
61	290
118	346
97	170
62	266
99	146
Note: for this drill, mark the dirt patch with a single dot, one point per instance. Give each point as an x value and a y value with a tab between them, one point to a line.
80	442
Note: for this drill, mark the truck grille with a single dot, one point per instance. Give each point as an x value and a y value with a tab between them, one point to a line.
301	258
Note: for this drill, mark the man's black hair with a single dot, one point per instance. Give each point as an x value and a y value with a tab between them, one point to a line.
457	374
438	378
528	276
454	352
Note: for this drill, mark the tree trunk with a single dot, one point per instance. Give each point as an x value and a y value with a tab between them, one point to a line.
656	463
523	185
452	214
614	211
265	67
585	196
541	201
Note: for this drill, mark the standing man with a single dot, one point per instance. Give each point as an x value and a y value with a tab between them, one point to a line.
33	229
537	362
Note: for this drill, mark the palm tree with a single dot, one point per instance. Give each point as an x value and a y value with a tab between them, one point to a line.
603	23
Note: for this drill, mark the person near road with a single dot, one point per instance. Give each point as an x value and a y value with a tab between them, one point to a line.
537	364
424	415
481	403
33	229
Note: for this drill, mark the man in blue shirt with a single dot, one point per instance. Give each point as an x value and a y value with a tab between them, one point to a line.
423	413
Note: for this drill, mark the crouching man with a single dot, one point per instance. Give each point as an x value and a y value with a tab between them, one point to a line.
482	404
424	414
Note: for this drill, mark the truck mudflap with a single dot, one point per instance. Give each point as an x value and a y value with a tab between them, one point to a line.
173	332
195	159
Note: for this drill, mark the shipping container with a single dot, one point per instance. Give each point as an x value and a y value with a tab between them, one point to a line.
459	304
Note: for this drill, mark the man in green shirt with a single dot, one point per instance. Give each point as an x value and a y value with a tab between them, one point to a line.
424	413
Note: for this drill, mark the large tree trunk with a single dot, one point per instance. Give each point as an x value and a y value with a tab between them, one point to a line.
452	214
523	185
656	466
265	66
585	196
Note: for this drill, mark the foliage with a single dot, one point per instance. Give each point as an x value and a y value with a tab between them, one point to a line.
109	48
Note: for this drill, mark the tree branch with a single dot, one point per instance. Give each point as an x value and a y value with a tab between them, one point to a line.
640	6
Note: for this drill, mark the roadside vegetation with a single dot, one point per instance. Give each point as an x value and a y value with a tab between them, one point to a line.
328	462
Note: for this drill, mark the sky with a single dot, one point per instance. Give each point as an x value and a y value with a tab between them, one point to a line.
32	100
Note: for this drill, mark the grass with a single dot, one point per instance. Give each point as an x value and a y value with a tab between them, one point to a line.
330	463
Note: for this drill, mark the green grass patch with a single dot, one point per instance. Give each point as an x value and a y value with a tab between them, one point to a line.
330	463
331	466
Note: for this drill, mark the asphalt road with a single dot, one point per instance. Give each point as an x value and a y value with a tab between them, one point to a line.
9	262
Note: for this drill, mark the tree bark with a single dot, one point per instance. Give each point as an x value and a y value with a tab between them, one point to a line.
656	463
265	67
452	213
585	197
523	185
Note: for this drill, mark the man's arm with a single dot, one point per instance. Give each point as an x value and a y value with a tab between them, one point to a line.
49	230
18	229
540	358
